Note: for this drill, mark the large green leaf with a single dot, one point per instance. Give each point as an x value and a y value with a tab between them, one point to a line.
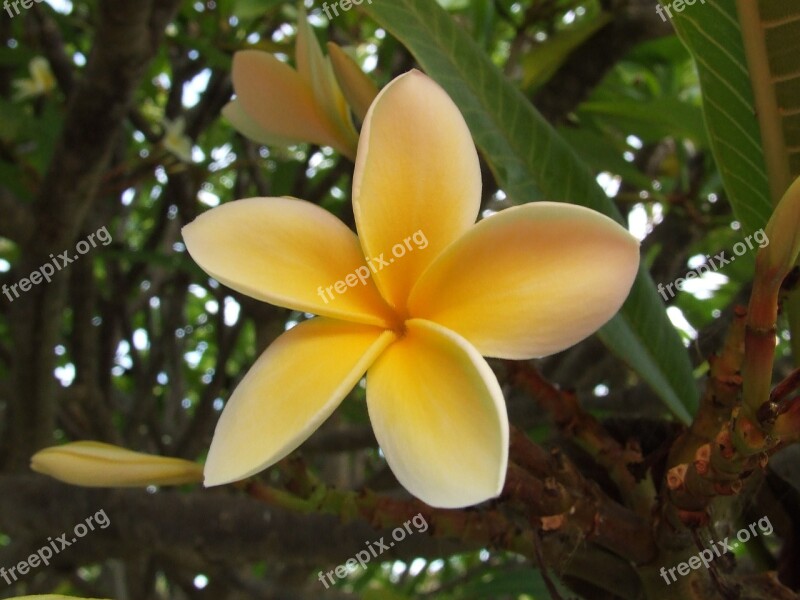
528	159
711	33
747	57
771	35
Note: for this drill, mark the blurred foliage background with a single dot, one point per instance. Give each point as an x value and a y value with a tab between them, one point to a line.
134	345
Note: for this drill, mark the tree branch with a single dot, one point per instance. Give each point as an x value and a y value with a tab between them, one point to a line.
192	529
16	220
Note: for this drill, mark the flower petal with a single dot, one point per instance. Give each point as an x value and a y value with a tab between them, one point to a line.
95	464
439	417
290	253
249	128
530	280
357	87
291	389
280	101
317	71
417	171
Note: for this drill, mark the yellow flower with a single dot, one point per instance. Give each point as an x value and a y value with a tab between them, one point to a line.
528	281
41	82
175	141
95	464
277	105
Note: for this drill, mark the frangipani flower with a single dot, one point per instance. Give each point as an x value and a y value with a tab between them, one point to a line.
522	283
277	105
40	83
175	140
95	464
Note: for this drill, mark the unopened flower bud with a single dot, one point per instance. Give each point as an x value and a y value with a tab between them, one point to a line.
783	233
95	464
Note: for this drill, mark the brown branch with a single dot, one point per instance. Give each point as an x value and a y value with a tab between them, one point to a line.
586	512
193	529
589	433
16	219
721	394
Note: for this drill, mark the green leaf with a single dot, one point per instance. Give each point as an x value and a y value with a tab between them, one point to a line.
528	157
651	120
771	37
711	33
253	9
543	61
749	69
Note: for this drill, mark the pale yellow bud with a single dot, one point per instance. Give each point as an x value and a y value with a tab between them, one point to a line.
95	464
783	232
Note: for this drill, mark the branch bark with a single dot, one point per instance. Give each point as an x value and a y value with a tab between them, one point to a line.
193	529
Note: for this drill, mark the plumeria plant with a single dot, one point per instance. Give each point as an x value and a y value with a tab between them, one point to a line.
404	277
418	328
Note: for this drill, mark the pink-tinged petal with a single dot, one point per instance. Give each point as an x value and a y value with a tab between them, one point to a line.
417	172
356	85
281	102
317	71
531	280
290	253
96	464
291	389
242	122
439	417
